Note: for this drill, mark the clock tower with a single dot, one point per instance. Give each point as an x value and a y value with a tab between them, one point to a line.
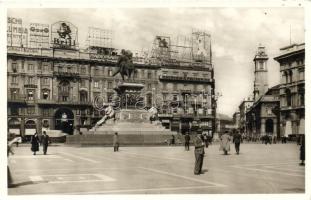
261	73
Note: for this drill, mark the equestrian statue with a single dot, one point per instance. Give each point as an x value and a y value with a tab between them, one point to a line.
125	64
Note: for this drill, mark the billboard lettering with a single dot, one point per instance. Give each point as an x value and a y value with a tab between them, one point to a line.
39	35
64	35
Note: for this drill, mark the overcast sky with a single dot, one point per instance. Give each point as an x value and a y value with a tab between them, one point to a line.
236	34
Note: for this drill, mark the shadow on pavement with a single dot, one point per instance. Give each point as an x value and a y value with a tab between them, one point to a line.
25	183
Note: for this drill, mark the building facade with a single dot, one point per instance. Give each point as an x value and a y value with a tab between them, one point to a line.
262	118
236	119
56	89
292	89
244	107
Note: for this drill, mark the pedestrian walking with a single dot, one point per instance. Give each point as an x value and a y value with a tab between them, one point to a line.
187	141
237	141
205	139
34	143
116	142
302	150
225	143
45	140
199	154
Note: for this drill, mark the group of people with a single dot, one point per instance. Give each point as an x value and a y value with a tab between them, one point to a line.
36	141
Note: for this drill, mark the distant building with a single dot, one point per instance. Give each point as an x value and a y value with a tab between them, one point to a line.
292	89
236	119
261	72
244	107
224	123
263	116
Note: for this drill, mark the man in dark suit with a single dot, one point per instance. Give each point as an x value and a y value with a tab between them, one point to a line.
187	141
45	140
237	141
199	154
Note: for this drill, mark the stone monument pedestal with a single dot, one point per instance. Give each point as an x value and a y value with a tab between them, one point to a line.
130	116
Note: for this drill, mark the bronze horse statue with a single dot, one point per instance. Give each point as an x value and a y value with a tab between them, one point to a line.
125	64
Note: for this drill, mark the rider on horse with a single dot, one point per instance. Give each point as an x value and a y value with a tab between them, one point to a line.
125	64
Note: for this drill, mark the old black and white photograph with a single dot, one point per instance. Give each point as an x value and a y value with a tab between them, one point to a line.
147	100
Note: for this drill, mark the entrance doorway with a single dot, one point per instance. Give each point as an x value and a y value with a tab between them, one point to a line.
64	120
269	126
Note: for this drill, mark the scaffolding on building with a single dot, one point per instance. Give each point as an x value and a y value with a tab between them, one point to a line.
161	50
99	41
201	46
182	50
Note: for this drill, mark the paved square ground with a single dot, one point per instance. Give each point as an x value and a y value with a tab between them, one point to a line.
157	170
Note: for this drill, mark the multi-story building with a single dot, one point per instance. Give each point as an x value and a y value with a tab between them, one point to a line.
292	89
263	116
55	88
244	107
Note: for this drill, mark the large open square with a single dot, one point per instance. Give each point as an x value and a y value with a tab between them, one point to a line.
157	170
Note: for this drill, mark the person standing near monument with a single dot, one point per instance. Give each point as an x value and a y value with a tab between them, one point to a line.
45	140
199	154
34	143
115	142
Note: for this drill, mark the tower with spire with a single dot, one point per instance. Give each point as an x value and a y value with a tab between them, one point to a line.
261	73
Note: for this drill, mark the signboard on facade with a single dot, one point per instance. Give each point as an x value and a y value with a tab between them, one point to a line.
17	35
64	35
201	46
39	35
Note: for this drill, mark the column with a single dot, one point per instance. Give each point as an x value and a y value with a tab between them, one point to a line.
39	88
263	127
275	131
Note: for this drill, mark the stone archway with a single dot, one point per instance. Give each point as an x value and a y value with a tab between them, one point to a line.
269	127
64	120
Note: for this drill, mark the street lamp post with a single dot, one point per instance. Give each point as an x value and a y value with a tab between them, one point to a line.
215	98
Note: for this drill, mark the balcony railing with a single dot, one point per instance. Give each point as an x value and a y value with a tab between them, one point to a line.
49	101
66	74
17	99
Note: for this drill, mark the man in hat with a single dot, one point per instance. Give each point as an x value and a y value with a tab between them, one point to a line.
199	154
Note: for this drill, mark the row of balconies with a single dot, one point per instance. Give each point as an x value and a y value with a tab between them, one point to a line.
79	55
182	78
23	99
